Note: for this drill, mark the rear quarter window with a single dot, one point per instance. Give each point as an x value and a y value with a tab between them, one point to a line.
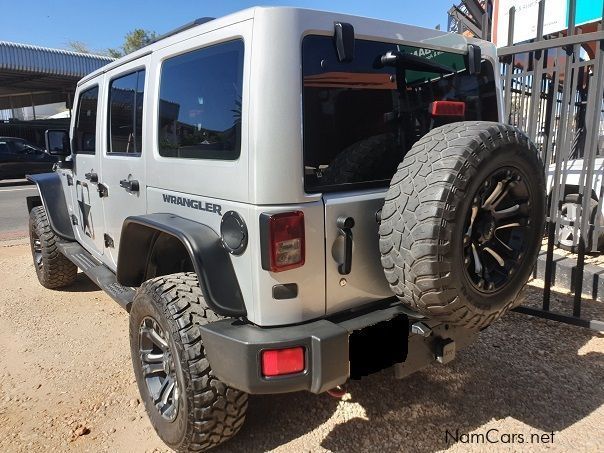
200	103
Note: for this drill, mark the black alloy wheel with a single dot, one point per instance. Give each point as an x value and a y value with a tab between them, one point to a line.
496	229
159	372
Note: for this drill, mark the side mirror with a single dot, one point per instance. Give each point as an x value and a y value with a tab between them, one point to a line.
57	142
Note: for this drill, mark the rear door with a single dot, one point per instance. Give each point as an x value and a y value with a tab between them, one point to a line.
364	280
124	147
359	121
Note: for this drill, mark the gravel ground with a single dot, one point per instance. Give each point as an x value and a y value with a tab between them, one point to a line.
66	384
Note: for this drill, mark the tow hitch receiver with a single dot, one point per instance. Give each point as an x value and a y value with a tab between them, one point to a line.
430	342
445	350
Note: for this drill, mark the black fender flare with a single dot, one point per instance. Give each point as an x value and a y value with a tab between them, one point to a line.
53	200
211	261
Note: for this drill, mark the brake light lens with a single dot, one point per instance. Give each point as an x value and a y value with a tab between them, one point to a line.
286	241
278	362
448	108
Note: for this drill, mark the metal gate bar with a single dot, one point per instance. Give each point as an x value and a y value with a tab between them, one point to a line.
563	118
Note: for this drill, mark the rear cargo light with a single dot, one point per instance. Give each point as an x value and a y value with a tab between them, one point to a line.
278	362
282	241
448	108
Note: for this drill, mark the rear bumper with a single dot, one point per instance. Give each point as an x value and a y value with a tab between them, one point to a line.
234	353
234	349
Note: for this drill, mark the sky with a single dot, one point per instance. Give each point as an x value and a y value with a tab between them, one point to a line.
101	24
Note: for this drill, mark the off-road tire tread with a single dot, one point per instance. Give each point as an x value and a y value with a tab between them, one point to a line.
418	216
216	411
365	157
57	271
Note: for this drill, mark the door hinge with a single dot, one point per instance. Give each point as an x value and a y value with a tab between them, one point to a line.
69	180
74	219
108	241
102	190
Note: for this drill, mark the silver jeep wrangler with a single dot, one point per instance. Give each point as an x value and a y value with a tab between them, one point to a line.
285	199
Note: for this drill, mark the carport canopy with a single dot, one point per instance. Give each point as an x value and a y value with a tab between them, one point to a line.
32	75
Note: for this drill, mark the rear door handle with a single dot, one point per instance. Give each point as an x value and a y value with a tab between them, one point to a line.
130	185
345	224
92	177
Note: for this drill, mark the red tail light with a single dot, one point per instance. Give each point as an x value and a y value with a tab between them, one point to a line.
283	241
448	108
277	362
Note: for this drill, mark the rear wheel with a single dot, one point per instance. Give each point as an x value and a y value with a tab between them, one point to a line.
190	409
53	269
462	222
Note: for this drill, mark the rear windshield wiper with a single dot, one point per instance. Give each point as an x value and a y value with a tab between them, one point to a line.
412	62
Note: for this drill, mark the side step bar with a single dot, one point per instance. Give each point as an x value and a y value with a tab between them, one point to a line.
98	273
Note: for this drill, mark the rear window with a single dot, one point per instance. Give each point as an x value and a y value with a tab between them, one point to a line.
355	131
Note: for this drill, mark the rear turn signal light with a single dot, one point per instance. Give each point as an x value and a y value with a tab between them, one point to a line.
448	108
282	241
278	362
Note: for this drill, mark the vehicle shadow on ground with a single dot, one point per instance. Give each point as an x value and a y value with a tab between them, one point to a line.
82	284
525	368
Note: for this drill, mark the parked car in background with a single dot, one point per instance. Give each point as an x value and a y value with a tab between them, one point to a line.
568	232
18	157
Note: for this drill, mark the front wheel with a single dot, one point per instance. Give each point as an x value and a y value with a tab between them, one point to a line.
190	409
53	269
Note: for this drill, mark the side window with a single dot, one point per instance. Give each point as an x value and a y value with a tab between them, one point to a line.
84	137
125	122
200	103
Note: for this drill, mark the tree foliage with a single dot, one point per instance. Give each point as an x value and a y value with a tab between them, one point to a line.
133	40
78	46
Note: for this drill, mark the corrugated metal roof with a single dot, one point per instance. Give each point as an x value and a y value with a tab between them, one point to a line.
42	60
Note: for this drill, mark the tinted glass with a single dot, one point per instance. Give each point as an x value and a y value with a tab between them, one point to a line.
84	137
200	103
21	146
126	96
356	126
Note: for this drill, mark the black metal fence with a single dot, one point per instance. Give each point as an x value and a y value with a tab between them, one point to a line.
553	90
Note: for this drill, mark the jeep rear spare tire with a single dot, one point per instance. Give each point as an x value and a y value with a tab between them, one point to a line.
462	222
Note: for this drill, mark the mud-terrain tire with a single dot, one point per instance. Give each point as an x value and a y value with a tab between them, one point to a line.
207	412
430	238
54	270
373	158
